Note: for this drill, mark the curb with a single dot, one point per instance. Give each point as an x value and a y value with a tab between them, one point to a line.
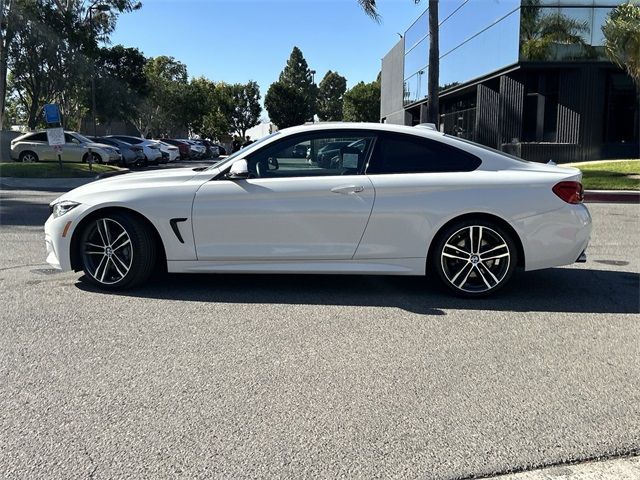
54	184
625	468
612	196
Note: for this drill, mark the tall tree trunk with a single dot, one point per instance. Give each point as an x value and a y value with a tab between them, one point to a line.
433	105
3	82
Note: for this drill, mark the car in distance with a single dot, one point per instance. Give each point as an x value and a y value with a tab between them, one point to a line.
34	147
151	148
183	148
397	201
132	155
170	152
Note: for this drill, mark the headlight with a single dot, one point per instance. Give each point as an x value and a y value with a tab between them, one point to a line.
63	207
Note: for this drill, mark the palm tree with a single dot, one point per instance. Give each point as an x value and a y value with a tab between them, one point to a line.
540	33
433	110
622	43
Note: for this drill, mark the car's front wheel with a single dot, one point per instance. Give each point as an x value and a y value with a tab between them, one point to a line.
28	157
474	258
117	251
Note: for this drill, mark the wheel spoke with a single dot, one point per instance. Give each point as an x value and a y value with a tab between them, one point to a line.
126	242
495	279
118	238
95	274
479	240
124	265
94	245
458	249
483	277
495	257
455	277
93	253
106	230
448	255
504	245
471	239
104	270
104	242
466	277
116	267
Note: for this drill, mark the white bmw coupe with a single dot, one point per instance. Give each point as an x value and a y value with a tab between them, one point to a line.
391	200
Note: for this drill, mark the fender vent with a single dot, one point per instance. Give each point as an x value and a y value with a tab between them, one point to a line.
174	226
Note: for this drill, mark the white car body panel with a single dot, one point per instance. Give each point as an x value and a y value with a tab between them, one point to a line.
297	218
298	225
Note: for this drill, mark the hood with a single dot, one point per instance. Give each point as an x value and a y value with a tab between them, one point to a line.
98	145
100	190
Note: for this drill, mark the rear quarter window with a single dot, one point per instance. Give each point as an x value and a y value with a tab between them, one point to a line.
400	153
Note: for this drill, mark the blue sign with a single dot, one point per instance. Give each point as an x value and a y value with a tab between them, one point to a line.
51	113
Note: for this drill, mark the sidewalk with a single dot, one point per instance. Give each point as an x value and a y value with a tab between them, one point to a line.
627	468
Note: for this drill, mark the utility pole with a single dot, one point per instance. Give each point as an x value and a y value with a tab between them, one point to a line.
433	105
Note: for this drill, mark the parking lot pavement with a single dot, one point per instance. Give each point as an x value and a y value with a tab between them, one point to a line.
315	376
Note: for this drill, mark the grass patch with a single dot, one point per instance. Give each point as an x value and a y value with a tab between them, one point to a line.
608	175
52	170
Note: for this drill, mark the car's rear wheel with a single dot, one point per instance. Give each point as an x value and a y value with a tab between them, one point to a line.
28	157
117	251
474	258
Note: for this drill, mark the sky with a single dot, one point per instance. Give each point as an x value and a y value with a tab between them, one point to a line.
241	40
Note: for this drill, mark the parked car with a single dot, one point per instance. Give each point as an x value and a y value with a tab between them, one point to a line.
151	148
300	151
466	214
171	151
132	155
183	148
197	151
34	147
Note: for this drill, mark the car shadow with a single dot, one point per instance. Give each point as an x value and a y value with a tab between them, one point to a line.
573	290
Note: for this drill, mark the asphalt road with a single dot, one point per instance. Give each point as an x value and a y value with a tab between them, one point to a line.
310	376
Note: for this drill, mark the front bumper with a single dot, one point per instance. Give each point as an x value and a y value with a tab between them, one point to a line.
57	237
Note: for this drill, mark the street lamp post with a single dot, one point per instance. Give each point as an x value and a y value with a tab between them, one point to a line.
313	81
101	7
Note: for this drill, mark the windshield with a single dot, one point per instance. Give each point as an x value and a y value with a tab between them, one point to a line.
82	138
242	152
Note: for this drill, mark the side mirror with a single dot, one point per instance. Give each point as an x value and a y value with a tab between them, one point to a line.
273	163
76	141
238	170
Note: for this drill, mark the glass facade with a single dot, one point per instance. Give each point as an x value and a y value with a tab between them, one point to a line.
478	37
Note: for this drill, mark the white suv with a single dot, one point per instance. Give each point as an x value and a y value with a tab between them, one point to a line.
34	147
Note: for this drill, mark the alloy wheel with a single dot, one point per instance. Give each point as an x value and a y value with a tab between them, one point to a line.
29	157
475	259
107	251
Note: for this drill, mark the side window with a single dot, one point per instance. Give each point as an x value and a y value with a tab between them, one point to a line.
397	153
37	137
70	139
311	155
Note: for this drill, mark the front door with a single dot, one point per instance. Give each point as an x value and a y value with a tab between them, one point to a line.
292	208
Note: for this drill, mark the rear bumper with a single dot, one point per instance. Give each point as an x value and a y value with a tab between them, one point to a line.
555	238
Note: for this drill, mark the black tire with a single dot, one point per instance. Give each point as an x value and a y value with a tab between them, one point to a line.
134	261
471	268
28	157
96	158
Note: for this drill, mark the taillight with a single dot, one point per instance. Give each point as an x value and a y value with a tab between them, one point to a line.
570	192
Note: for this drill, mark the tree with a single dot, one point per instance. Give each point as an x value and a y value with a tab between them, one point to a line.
121	84
163	110
331	96
208	109
296	80
362	103
622	42
246	109
67	27
286	105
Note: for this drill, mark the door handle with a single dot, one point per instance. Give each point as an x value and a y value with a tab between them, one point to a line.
348	189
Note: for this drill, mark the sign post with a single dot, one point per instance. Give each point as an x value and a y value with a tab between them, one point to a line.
55	138
55	132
